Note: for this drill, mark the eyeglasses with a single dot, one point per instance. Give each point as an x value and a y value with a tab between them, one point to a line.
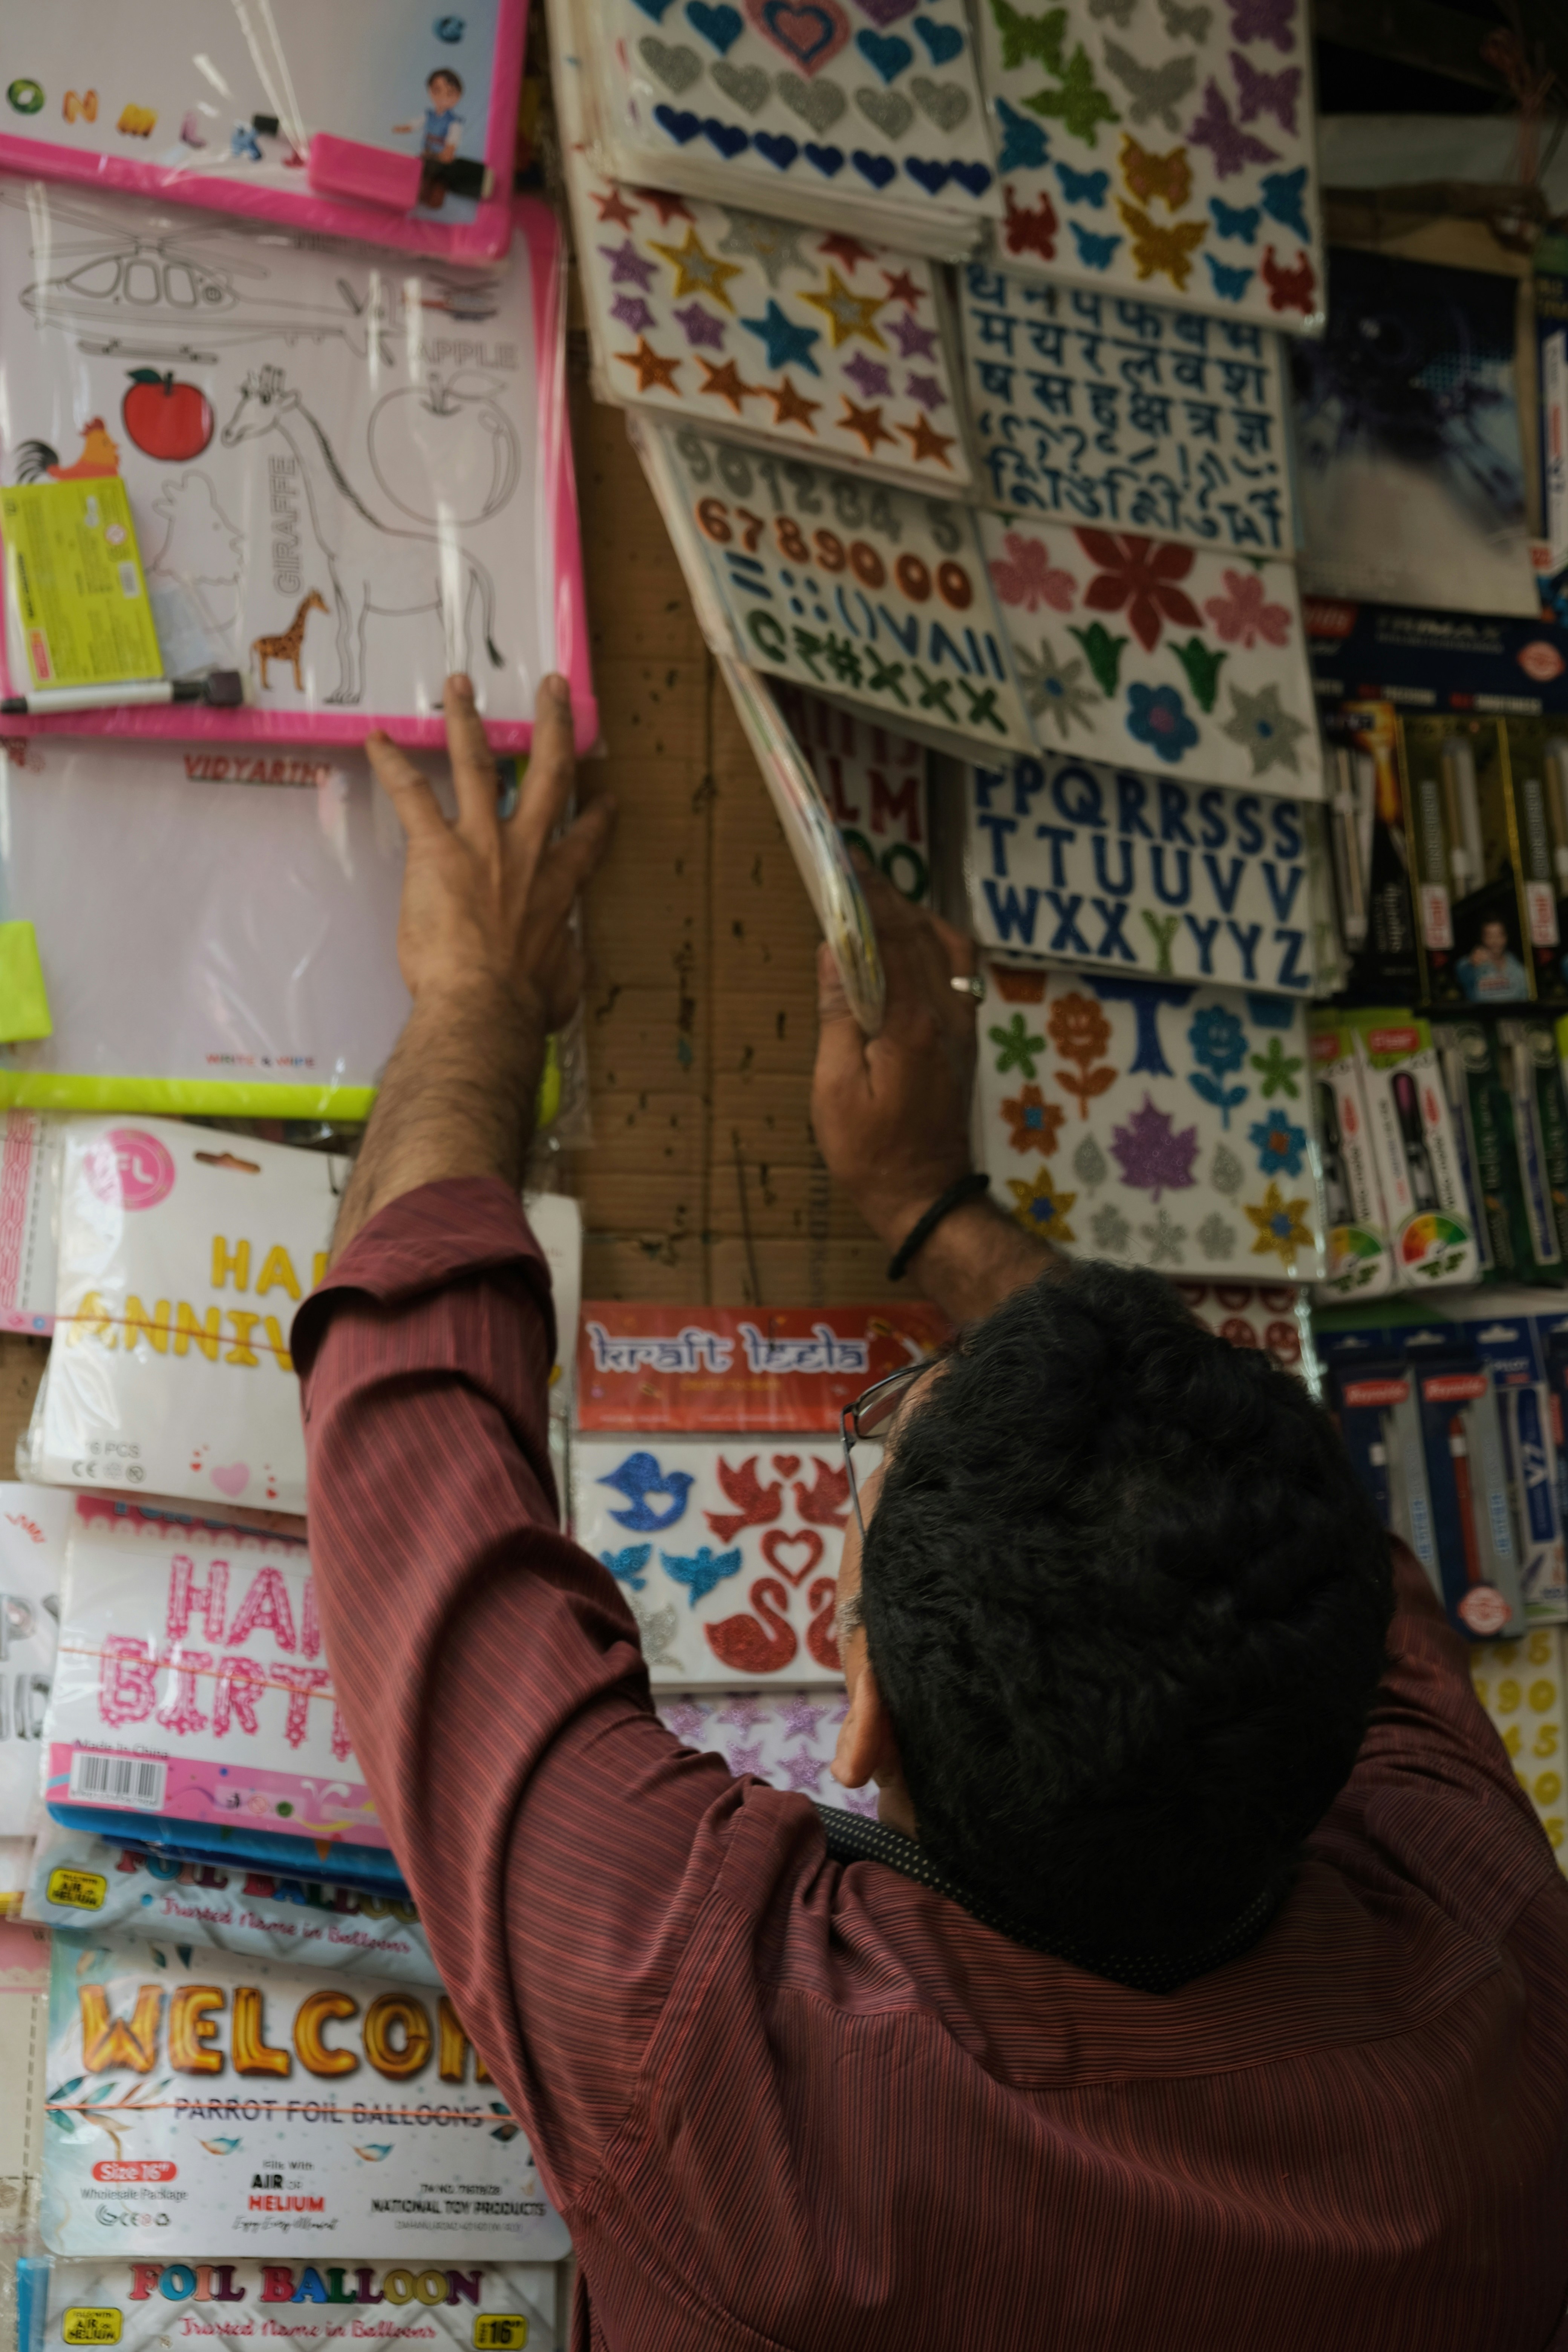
871	1415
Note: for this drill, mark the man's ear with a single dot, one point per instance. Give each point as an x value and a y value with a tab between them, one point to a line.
868	1749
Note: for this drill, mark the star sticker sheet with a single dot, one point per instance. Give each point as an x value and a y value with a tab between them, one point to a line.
1154	1123
1162	145
870	594
1151	655
866	112
1104	408
785	1737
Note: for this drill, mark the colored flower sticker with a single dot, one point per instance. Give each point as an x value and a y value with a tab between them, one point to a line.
1040	1208
1216	1237
1109	1231
1103	653
1080	1033
1277	1071
1218	1040
1201	665
1054	688
1152	1157
1157	716
1243	614
1140	577
1015	1048
1024	575
1035	1122
1280	1231
1267	732
1165	1240
1279	1144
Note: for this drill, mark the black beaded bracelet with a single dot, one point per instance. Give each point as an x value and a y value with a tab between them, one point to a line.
968	1187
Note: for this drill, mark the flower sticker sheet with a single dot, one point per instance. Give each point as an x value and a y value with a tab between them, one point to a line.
1153	1122
827	110
1151	655
785	1737
1163	145
1104	408
1089	864
869	594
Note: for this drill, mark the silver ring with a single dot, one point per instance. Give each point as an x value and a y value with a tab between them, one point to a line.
969	983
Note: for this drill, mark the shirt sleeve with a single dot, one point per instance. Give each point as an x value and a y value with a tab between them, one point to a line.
559	1842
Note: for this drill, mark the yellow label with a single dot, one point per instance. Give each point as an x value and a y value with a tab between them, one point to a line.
500	2331
85	2325
83	1890
78	598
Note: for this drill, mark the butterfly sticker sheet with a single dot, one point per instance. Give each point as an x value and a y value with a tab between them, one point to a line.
1156	1123
1105	408
725	1550
828	110
1149	654
785	1737
1164	145
868	595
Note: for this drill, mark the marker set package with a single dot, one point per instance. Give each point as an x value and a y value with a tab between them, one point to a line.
1504	1085
1370	844
1426	1212
147	2305
1360	1261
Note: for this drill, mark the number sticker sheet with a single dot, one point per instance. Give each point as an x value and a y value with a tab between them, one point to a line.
785	1737
1164	145
1520	1686
1151	655
146	2306
1104	408
872	594
1155	1123
1141	873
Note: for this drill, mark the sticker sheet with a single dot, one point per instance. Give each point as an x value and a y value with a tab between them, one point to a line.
1275	1317
873	594
33	1524
254	2107
93	1884
1153	654
785	1737
192	1685
1155	1123
1520	1686
149	2305
348	476
1158	144
856	110
874	782
1104	408
1142	873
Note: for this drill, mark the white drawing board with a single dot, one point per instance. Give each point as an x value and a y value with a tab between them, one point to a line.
349	474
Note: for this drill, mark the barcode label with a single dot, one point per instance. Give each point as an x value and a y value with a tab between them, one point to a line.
120	1779
129	584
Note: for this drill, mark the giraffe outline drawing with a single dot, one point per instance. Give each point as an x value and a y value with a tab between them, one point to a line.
374	566
288	645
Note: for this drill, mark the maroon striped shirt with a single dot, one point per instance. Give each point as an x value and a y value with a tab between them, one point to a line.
783	2101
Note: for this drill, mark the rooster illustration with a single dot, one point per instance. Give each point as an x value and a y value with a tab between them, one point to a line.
36	461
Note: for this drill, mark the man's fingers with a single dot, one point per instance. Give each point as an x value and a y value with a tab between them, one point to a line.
568	863
552	766
419	810
474	774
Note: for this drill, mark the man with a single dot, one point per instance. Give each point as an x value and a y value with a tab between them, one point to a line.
1491	974
1153	2018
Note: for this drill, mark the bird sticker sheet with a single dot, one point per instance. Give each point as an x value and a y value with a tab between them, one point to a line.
785	1737
834	109
1149	654
1101	408
1155	1123
349	474
866	593
773	331
1143	874
147	2305
252	2107
1162	145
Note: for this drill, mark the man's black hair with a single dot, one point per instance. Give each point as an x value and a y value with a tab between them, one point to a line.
445	73
1126	1604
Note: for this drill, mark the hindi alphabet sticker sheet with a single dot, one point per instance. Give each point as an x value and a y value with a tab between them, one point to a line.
1152	1122
1162	145
1105	408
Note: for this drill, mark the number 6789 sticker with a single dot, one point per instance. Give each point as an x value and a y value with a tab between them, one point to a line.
875	595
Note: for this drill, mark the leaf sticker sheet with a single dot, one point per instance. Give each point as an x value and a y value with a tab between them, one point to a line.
725	1549
1104	408
1151	655
806	337
1143	874
1164	145
785	1737
824	110
1152	1122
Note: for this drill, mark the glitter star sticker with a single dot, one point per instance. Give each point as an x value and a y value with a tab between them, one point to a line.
915	342
1279	1230
791	407
653	373
787	344
724	383
869	377
866	422
627	266
613	208
801	1717
925	443
772	245
700	326
846	249
698	271
743	1714
848	314
668	207
901	287
631	310
926	390
801	1771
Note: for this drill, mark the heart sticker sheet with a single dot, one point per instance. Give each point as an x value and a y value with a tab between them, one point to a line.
856	111
1162	145
785	1737
874	596
1153	655
1152	1122
1102	408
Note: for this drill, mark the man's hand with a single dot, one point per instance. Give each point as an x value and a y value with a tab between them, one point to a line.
890	1113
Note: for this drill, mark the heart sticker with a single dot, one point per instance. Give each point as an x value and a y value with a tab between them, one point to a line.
747	85
820	104
779	148
677	69
809	32
827	160
777	1540
892	114
786	1464
234	1478
721	26
886	52
883	12
942	42
728	137
878	169
682	126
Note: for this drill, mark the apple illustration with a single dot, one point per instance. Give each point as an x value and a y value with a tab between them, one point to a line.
444	452
166	418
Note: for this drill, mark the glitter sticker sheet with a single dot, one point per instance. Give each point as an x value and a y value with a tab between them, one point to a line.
1104	408
1275	1317
868	594
866	111
1153	655
725	1549
874	782
1150	1123
1085	864
1522	1686
1160	144
785	1737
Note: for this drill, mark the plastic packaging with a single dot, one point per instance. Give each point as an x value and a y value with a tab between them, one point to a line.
141	2305
33	1524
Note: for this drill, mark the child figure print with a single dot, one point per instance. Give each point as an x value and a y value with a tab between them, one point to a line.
1152	1122
347	471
